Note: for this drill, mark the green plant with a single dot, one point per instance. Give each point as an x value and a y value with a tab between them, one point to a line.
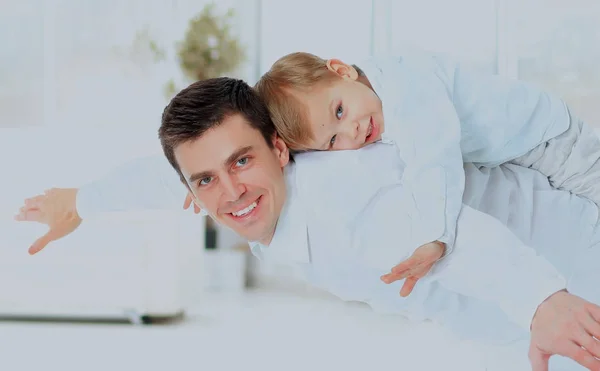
209	49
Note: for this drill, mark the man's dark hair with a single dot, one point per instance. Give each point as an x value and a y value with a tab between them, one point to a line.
206	104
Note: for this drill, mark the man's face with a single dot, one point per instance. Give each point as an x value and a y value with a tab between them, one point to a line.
236	177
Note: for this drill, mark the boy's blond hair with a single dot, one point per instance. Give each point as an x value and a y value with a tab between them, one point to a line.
292	74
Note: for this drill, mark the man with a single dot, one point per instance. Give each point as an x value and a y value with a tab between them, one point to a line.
329	214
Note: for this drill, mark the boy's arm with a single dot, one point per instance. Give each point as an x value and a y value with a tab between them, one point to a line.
427	130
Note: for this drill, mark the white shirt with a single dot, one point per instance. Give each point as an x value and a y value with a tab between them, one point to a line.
440	115
357	221
347	227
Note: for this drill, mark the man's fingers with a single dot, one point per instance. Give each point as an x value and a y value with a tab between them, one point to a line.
590	344
52	235
34	202
581	356
196	209
594	310
29	216
408	286
40	244
538	359
592	326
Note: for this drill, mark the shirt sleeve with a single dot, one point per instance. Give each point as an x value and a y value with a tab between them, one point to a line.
421	119
492	264
141	184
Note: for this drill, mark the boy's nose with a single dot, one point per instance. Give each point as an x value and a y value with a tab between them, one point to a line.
353	130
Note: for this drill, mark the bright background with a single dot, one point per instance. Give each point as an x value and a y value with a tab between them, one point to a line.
79	95
67	62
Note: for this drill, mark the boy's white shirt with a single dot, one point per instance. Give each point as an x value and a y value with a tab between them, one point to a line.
440	116
339	215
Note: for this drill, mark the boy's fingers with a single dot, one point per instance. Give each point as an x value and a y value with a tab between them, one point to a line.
187	202
408	286
409	263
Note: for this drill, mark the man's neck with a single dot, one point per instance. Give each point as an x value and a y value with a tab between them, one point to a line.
266	241
288	174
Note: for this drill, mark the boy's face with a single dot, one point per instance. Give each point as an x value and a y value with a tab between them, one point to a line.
344	113
236	177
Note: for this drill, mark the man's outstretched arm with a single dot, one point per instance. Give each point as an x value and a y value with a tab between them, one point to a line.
141	184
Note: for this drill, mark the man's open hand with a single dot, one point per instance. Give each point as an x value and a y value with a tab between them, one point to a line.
188	202
55	208
566	325
415	267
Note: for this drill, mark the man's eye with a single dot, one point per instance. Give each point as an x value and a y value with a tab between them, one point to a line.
205	181
242	161
332	141
339	112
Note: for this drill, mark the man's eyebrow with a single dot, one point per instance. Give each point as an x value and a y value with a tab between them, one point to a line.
201	175
235	155
232	158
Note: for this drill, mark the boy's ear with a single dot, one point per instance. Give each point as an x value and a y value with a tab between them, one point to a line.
342	69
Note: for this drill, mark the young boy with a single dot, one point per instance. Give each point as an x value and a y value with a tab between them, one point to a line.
439	116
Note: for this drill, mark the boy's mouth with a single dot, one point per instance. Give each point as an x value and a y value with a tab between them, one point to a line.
372	131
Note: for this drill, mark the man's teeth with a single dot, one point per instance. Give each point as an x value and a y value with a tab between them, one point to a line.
370	129
246	210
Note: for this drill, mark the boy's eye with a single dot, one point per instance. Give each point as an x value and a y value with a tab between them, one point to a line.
339	111
205	181
242	161
332	141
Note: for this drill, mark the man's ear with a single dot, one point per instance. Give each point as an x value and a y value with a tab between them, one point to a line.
281	150
342	69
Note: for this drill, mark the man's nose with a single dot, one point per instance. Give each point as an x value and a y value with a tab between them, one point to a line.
233	189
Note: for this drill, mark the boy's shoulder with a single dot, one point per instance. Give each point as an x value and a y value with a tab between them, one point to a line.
407	68
410	57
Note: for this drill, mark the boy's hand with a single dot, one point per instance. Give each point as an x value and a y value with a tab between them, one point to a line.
188	202
415	267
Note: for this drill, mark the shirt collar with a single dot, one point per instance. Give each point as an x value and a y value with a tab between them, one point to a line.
374	72
290	241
